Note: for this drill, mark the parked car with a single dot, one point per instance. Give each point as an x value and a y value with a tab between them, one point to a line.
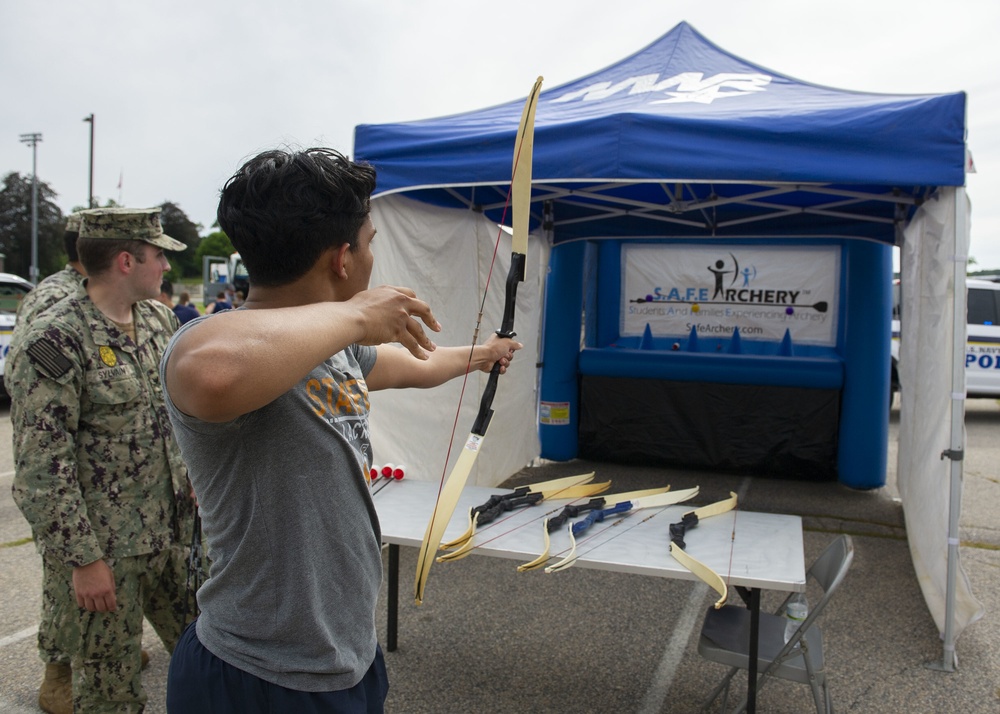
12	289
982	349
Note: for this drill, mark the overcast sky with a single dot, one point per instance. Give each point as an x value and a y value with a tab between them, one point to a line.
184	90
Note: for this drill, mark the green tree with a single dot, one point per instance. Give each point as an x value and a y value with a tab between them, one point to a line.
216	243
177	225
15	227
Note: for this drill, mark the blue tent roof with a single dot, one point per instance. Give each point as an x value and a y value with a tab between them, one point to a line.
667	140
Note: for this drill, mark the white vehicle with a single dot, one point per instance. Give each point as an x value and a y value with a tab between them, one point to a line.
12	289
982	349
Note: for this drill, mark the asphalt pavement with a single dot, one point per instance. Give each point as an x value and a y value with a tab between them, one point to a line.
488	639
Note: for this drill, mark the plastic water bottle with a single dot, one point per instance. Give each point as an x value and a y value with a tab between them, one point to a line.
796	612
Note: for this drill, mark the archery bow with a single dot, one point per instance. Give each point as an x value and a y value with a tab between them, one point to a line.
521	205
581	491
520	498
626	509
532	493
690	520
497	505
573	510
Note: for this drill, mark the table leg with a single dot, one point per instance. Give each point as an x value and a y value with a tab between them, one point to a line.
754	636
392	619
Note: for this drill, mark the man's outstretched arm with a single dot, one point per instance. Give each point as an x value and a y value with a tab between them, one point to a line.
242	360
396	368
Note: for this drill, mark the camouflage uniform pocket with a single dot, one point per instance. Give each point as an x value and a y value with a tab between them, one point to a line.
115	403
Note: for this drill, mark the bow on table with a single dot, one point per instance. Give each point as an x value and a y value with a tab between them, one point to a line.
574	510
625	508
677	532
520	203
572	487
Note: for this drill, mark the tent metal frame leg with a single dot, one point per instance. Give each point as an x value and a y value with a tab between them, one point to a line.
956	449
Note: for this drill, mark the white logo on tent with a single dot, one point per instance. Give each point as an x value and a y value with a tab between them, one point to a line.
688	86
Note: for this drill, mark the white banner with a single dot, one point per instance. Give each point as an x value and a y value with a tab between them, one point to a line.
761	290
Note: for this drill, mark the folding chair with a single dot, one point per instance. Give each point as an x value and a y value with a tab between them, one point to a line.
725	636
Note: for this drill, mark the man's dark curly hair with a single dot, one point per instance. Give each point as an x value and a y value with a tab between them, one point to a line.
282	209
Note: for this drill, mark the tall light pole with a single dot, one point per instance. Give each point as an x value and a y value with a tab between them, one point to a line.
32	140
90	185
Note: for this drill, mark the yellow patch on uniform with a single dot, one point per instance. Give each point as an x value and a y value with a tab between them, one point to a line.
108	356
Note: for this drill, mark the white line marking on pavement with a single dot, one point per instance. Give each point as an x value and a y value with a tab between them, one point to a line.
663	678
17	637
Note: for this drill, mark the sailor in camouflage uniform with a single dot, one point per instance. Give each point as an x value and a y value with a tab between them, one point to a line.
58	285
55	695
98	475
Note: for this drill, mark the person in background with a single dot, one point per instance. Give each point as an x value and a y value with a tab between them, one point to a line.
218	305
238	299
58	285
166	295
56	692
98	475
184	310
270	408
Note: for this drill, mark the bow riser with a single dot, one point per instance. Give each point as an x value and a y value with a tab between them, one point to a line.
515	276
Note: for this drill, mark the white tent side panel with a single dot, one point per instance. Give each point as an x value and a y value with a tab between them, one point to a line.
930	246
444	255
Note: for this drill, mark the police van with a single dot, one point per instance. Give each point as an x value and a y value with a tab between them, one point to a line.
982	348
12	289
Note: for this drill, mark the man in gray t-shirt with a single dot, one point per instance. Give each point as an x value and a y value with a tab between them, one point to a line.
270	408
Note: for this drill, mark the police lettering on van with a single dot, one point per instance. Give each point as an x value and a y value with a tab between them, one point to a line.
982	349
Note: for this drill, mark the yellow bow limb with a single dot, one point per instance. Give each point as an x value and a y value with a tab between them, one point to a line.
705	573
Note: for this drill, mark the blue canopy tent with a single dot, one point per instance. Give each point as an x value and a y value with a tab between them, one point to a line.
684	109
684	145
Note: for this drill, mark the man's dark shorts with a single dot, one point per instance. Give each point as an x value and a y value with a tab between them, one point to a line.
201	683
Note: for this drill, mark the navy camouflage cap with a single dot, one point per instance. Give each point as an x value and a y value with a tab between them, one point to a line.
127	224
73	222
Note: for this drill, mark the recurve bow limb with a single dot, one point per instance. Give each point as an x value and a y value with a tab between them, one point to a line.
677	545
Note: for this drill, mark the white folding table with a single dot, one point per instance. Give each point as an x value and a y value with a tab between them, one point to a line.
751	551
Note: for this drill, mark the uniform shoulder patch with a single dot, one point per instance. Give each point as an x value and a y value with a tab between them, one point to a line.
48	359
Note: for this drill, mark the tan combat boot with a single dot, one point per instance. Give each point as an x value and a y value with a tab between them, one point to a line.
55	696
